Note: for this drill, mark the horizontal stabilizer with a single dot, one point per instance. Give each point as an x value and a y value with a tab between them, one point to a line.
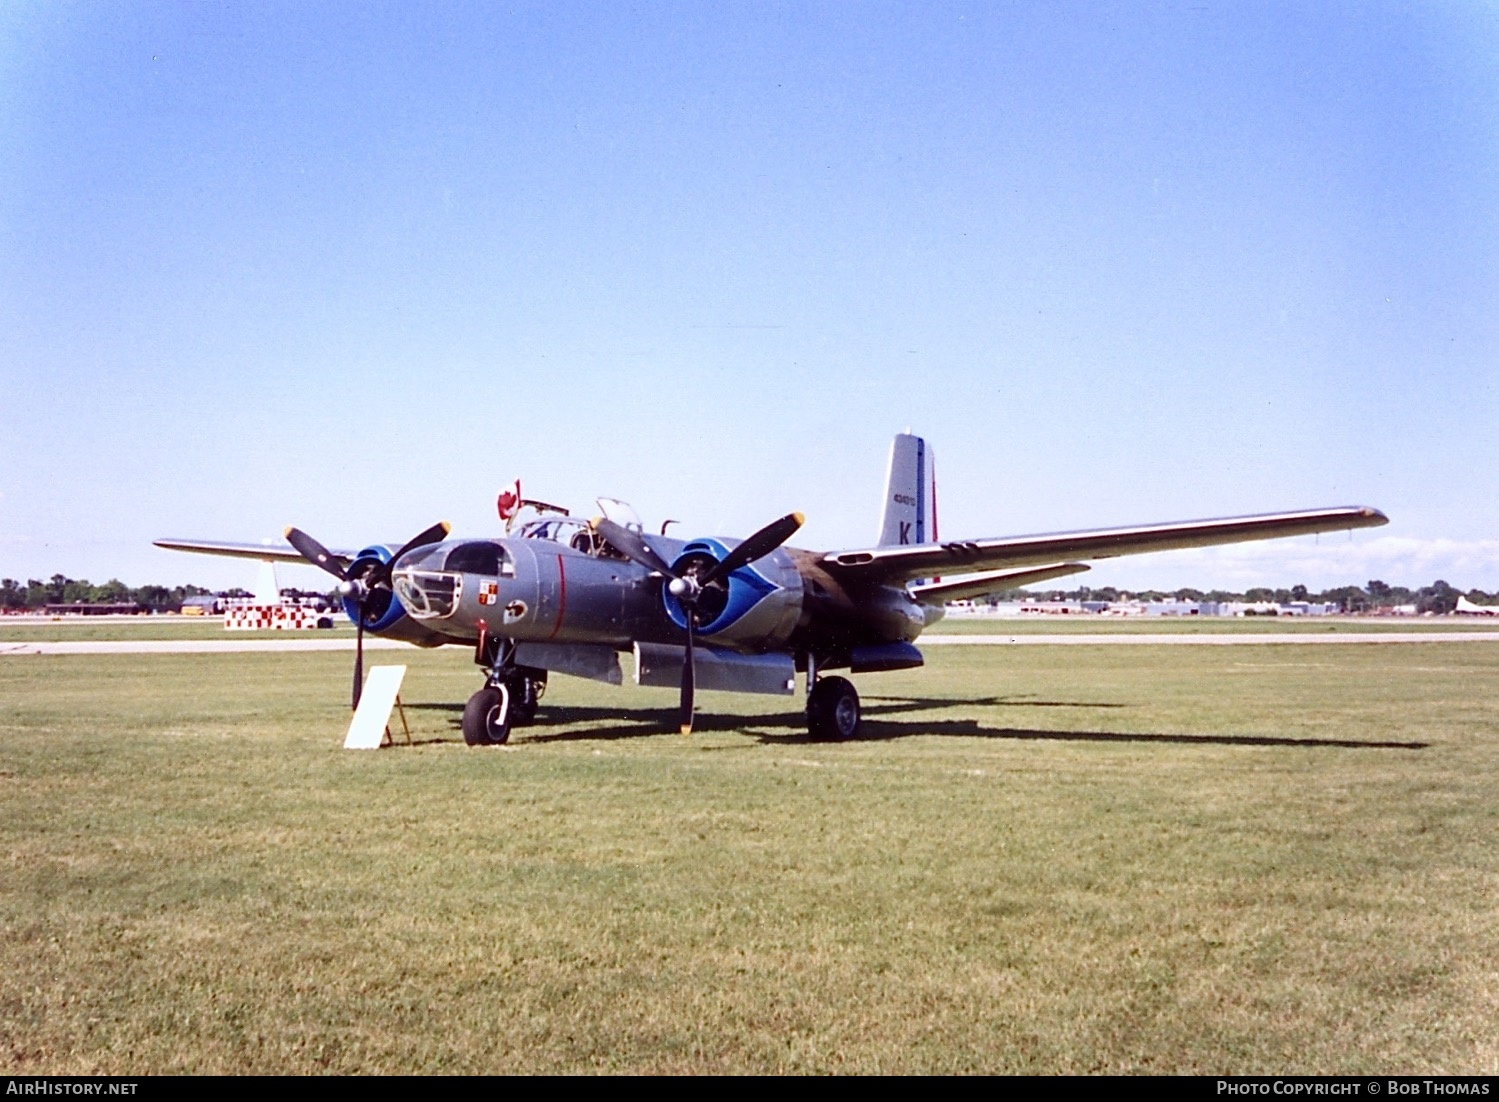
980	585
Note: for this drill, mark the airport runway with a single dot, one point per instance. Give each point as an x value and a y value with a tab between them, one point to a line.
1224	640
228	646
197	646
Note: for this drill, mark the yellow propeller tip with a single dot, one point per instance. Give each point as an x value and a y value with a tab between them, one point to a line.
800	519
287	531
686	730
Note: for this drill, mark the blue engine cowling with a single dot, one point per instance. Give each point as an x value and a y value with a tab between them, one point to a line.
755	608
384	615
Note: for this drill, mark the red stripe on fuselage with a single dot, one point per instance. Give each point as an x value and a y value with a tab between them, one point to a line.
561	597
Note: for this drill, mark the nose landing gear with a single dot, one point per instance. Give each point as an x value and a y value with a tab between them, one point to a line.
508	699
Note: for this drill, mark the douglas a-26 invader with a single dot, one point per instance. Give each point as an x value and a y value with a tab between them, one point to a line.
567	596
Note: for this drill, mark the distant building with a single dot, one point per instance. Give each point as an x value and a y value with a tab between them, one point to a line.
1172	608
1143	608
121	608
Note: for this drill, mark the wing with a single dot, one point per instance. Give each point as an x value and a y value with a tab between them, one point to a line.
902	563
285	553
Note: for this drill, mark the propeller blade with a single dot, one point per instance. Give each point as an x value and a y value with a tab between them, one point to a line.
689	674
315	553
359	659
436	534
631	545
757	546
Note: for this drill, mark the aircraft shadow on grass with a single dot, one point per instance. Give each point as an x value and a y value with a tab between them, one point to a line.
609	724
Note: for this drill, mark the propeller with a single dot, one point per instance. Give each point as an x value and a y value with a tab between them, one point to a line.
688	586
380	575
360	586
632	545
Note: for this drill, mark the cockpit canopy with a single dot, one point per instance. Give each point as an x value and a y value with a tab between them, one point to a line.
571	531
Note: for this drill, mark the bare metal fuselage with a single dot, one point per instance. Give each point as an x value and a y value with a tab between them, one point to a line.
542	591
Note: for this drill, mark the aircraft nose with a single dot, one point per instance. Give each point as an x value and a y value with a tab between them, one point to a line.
423	583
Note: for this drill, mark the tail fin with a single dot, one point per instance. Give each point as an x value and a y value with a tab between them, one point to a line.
910	514
267	592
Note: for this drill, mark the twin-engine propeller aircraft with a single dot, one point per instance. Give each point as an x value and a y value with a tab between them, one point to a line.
567	596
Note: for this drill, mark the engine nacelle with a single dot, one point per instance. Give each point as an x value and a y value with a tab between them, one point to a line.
383	614
754	608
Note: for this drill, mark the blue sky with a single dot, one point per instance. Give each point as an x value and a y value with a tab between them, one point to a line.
355	267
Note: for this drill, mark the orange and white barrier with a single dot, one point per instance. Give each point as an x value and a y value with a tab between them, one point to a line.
272	618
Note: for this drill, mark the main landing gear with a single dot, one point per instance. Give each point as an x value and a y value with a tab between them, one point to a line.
508	699
832	706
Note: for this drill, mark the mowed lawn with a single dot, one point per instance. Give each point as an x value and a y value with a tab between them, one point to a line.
1040	859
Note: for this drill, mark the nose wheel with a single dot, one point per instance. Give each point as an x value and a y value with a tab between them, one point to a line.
833	710
487	717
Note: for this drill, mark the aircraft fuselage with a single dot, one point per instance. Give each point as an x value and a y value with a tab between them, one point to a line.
543	591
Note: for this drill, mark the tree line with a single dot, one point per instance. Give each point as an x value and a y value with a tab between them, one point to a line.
1438	597
62	590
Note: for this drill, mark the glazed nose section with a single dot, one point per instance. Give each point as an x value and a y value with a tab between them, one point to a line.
431	581
424	585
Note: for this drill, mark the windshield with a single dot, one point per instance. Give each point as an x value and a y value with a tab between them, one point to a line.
558	529
620	513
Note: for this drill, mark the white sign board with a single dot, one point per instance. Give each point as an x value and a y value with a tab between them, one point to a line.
379	696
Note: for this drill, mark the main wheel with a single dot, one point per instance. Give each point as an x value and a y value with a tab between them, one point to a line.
833	710
486	717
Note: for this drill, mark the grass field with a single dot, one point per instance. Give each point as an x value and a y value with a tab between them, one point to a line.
90	629
1040	859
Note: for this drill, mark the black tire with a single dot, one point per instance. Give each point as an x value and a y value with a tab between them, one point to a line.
486	717
833	710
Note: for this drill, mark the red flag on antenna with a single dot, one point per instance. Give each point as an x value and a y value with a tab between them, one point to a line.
509	501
